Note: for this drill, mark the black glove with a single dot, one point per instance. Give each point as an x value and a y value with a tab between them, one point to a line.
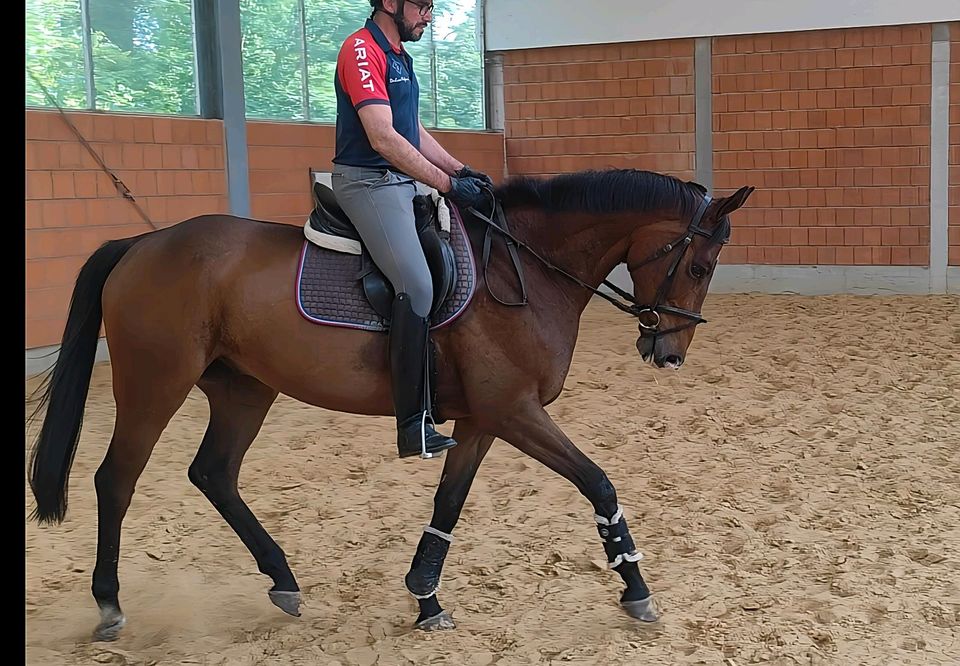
466	171
467	192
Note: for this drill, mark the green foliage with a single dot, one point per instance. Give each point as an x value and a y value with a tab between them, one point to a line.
55	52
143	57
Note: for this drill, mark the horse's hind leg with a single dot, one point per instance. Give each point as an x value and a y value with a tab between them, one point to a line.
238	405
145	403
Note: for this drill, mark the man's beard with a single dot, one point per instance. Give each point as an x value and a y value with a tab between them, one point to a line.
407	33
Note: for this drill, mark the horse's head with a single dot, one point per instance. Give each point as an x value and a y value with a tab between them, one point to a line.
670	283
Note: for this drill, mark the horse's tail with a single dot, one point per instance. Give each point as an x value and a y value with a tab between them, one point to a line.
64	389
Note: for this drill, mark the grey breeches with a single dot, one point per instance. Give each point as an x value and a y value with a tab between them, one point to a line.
380	205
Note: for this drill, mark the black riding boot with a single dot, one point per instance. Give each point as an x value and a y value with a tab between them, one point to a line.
411	389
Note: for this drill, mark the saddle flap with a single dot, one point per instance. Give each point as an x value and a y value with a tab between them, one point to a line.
377	289
442	263
435	241
424	212
327	216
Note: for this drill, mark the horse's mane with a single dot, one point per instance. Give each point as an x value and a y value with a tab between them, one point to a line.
608	191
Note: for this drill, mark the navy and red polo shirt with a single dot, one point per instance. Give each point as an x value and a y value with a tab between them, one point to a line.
371	71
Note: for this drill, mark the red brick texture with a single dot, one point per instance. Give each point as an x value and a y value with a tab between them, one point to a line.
590	107
282	154
175	169
832	127
173	166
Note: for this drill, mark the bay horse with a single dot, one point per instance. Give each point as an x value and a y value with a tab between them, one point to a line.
209	302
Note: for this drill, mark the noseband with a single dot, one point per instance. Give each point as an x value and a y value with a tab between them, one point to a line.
649	316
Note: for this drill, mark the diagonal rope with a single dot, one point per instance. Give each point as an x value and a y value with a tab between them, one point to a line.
119	184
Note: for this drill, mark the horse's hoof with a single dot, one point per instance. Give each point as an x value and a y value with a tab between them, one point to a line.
643	609
288	602
440	621
109	627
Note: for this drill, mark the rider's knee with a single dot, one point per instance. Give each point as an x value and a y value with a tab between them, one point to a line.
420	290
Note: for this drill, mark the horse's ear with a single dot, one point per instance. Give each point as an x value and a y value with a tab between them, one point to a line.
734	201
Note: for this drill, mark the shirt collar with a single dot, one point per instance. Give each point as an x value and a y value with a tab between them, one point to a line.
380	38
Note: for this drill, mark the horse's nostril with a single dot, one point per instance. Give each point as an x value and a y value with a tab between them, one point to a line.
673	361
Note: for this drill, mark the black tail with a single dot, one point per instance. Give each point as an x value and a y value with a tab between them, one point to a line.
64	389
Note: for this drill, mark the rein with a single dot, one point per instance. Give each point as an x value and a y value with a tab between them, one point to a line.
497	221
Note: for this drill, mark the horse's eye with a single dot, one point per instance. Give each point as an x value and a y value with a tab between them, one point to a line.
698	271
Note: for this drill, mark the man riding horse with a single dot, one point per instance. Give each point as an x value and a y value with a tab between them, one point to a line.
223	318
382	149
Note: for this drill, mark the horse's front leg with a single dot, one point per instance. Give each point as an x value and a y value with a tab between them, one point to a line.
459	469
532	431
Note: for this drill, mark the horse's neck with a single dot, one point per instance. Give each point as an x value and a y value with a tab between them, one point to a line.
586	246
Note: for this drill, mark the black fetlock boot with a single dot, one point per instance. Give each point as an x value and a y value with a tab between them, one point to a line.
409	333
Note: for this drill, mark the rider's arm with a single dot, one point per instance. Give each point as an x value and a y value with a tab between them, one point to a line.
437	155
361	68
377	120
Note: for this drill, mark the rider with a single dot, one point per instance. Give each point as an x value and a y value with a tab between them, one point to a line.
382	150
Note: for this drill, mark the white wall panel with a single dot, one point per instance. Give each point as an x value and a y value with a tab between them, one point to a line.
522	24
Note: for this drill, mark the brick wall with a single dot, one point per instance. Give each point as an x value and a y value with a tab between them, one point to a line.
832	127
173	166
282	154
615	105
175	169
954	191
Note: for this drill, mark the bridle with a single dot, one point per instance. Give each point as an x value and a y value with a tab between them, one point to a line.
649	316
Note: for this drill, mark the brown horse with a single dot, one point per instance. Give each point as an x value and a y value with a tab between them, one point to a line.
210	303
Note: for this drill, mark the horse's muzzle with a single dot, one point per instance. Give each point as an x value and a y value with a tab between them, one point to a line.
646	345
